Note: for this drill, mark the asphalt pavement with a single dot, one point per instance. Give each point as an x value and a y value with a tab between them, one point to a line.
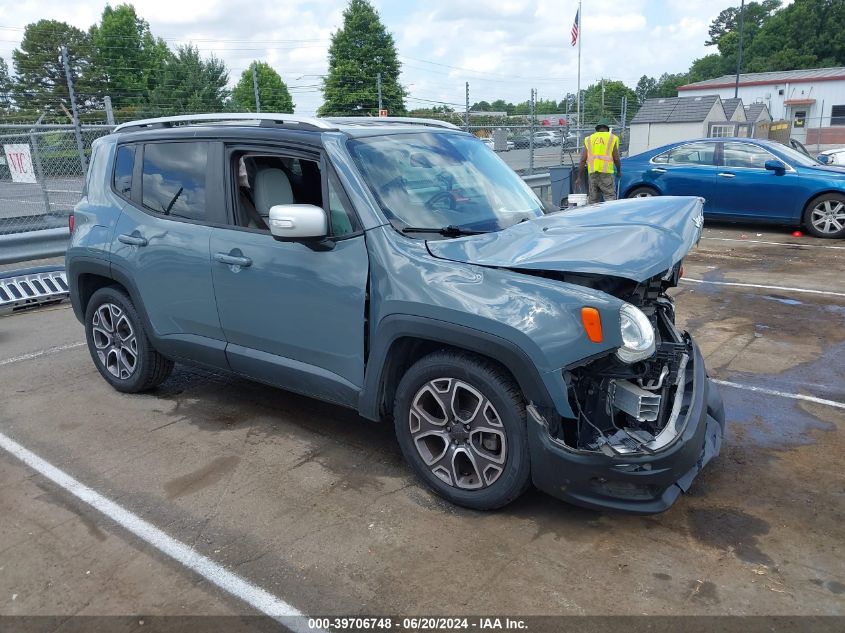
312	507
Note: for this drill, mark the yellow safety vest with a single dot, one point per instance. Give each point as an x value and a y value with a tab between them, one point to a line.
600	146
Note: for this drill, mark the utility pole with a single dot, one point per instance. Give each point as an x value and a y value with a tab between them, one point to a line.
578	94
378	87
109	111
466	121
531	133
255	87
739	51
76	129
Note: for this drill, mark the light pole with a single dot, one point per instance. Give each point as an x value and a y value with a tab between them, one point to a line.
739	50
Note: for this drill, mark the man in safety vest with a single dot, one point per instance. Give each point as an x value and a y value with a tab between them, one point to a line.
600	156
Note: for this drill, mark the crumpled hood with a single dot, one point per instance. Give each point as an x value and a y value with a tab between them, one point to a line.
635	239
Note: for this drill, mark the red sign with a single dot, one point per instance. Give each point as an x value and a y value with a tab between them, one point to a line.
382	112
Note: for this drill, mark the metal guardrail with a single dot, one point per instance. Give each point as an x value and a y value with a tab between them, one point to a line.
29	245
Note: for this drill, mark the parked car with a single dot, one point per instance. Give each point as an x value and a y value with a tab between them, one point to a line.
491	144
401	269
835	156
744	180
521	141
546	138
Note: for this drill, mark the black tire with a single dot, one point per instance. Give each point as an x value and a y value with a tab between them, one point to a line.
642	192
815	210
547	143
499	484
112	360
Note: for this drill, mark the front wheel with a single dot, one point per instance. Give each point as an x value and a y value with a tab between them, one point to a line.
825	216
642	192
461	424
119	345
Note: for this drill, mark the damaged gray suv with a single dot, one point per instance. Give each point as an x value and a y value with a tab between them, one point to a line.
399	268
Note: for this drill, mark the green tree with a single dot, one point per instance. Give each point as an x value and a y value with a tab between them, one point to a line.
40	76
805	34
612	100
129	61
709	67
668	83
6	87
360	50
272	91
645	89
756	14
189	84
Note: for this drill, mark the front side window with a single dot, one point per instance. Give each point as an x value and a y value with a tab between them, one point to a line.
436	179
174	179
124	163
746	155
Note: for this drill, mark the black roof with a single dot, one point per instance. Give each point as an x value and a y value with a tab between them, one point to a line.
675	109
730	106
753	111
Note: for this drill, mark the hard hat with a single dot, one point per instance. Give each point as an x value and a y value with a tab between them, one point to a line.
604	122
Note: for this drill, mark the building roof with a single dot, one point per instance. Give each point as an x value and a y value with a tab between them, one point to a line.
730	106
772	78
675	109
753	110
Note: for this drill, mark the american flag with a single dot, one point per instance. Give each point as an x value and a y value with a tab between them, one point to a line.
575	26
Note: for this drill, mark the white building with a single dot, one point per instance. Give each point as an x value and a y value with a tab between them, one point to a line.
813	101
672	119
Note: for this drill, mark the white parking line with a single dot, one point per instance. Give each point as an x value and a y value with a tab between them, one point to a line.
734	239
43	352
828	293
229	582
782	394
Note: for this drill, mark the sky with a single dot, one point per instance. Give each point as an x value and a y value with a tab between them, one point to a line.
503	48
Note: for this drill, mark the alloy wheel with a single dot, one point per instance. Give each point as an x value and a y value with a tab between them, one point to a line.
458	434
828	216
115	341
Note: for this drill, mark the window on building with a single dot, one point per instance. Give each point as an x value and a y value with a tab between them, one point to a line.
123	165
722	130
837	115
174	179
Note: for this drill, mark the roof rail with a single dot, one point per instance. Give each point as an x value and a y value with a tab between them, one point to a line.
381	120
268	117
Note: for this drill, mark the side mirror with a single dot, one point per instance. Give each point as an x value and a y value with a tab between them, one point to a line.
296	222
775	166
824	159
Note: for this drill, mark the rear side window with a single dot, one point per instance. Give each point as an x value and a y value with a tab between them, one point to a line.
174	179
124	163
702	153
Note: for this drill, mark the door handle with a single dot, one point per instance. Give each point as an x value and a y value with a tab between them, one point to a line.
725	174
232	260
658	170
132	240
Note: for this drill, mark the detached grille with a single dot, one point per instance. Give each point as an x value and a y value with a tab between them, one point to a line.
21	290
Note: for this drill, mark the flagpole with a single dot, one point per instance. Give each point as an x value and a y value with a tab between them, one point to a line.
578	93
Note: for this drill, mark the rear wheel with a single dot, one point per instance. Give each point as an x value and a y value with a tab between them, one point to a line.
119	345
825	216
642	192
461	423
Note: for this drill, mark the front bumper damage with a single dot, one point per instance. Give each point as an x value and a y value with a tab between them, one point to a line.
629	474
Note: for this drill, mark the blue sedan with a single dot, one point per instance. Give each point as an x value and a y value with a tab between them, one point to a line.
743	180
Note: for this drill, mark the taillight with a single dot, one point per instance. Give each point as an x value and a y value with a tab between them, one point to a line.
681	272
71	222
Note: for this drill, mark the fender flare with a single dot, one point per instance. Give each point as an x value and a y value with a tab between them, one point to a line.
397	326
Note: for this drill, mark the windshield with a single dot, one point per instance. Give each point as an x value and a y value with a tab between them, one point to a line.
431	179
796	157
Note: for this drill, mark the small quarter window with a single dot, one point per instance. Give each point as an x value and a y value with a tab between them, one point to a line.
123	165
174	179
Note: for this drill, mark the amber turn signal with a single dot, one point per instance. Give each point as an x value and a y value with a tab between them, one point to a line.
591	319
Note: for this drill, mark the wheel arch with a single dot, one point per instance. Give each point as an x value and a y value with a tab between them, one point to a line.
401	340
641	185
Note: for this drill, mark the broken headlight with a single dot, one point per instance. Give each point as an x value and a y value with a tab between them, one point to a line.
637	335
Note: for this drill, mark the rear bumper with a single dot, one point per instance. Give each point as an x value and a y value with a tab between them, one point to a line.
640	484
